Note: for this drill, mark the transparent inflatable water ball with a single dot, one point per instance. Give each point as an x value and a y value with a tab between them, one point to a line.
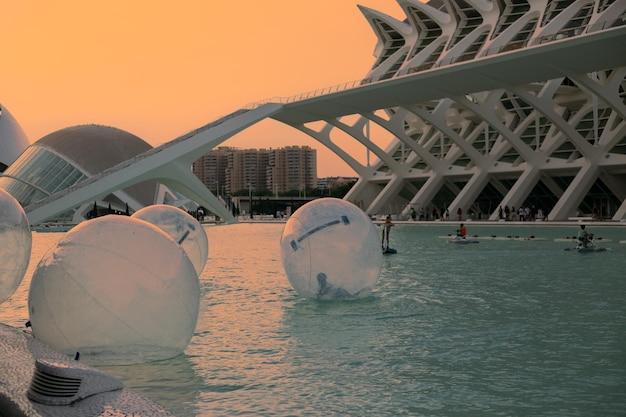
182	227
16	239
117	290
330	251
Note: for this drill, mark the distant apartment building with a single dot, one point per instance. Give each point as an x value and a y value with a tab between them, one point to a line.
292	168
246	170
227	170
211	169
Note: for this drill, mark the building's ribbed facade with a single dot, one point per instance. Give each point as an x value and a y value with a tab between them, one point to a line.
559	145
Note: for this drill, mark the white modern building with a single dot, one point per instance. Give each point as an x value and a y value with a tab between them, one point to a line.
13	140
68	157
471	104
554	139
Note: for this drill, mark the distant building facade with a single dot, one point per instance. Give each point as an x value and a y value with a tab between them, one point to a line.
292	168
227	170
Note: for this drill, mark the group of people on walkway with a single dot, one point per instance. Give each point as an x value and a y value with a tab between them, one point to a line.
436	215
522	214
423	215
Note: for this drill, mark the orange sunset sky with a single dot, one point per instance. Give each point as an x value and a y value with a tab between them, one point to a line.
159	69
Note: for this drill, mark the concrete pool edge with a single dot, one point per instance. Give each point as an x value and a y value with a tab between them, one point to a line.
19	351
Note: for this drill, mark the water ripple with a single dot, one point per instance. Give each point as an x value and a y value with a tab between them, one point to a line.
500	328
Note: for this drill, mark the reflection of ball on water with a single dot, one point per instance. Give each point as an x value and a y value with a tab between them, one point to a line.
182	227
116	289
330	250
15	244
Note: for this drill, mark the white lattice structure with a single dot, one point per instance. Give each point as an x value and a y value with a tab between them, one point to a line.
485	103
557	144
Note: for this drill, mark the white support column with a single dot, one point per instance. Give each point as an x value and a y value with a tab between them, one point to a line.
395	126
180	178
520	190
429	190
385	196
620	214
472	190
616	185
569	202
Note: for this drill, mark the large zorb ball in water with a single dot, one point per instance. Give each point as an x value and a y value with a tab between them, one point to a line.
15	244
117	290
182	227
330	250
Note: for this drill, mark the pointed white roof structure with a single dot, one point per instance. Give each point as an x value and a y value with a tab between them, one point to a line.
13	140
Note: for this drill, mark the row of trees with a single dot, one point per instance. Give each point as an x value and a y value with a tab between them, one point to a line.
98	211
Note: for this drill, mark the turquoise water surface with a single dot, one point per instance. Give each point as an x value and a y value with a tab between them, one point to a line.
498	328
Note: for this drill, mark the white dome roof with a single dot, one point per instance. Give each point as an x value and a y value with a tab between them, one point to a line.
13	140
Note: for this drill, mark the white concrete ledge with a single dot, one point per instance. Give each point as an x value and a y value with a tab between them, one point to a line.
18	352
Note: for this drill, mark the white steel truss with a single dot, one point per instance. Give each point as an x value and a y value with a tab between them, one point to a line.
557	144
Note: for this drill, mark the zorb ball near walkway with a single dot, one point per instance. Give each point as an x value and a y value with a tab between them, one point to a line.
117	290
330	251
15	244
182	227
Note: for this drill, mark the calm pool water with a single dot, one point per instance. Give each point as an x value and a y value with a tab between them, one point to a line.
499	328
